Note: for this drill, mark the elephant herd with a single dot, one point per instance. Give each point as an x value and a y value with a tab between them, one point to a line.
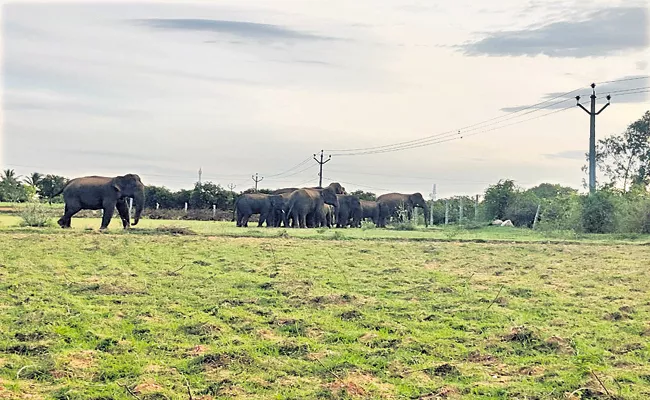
310	207
315	207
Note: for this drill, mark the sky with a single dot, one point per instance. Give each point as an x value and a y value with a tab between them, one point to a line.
163	89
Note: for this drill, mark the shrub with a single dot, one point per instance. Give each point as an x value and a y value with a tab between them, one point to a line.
598	213
36	215
365	225
521	209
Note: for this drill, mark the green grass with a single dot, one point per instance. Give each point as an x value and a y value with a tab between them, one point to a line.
89	315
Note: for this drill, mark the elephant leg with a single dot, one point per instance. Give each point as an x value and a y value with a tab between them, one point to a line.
123	210
302	220
245	218
108	214
263	217
66	219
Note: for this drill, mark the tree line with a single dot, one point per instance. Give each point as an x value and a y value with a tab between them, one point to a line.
621	204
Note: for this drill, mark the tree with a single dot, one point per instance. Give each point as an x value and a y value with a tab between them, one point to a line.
549	191
34	179
206	194
51	185
364	195
160	195
625	158
10	188
497	197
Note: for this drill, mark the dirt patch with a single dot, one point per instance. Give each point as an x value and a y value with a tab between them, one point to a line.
521	334
333	299
24	349
147	387
616	316
219	360
561	345
82	360
175	230
359	385
351	315
198	350
444	370
291	349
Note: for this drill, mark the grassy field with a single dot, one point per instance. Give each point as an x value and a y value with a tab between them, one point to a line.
360	314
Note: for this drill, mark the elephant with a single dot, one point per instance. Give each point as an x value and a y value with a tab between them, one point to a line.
348	212
390	203
370	210
279	211
303	202
321	218
338	189
103	193
256	203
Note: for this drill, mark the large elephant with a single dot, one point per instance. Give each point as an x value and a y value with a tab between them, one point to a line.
256	203
370	209
348	212
390	203
338	189
303	202
103	193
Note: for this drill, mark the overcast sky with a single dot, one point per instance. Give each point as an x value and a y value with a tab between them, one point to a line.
162	88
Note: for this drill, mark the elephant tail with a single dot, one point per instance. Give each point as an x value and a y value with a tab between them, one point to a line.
234	211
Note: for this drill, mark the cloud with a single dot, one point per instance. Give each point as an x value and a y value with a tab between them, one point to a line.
568	154
248	30
630	89
604	32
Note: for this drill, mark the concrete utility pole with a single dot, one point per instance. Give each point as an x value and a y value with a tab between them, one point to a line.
256	179
231	186
320	164
460	211
200	173
433	199
592	135
446	212
476	208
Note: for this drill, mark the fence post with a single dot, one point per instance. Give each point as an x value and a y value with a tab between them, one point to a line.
460	211
446	211
214	211
476	209
186	206
539	206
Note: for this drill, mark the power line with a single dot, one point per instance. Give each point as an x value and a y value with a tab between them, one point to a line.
292	168
407	147
509	116
633	78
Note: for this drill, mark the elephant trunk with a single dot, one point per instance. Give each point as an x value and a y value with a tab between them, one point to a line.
138	200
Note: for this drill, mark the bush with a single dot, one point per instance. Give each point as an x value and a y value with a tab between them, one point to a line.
634	213
598	213
521	209
365	225
36	215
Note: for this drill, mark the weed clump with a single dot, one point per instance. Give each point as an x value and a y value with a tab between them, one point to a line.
351	315
35	215
175	230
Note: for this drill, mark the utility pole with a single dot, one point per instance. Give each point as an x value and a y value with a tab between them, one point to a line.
592	135
200	173
320	164
256	179
460	211
231	186
433	199
476	208
446	212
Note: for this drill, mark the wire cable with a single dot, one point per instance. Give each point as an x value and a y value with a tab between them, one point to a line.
535	107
